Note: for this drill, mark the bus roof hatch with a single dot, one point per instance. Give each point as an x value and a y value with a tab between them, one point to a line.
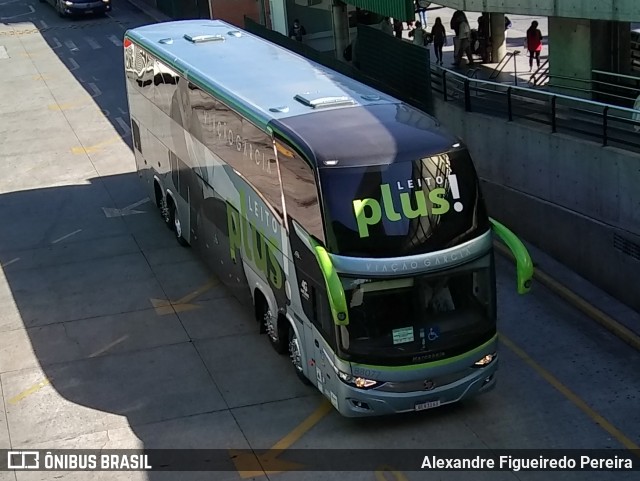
322	102
203	38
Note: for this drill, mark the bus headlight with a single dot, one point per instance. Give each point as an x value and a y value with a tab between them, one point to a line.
359	382
485	361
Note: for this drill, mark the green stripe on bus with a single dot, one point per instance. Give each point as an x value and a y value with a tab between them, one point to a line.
524	265
442	362
335	292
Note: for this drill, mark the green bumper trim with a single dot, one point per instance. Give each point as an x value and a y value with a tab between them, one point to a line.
524	265
337	299
442	362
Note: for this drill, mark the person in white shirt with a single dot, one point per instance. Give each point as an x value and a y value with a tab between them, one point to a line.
464	42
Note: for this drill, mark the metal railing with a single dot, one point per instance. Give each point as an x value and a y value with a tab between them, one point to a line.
541	75
503	63
609	125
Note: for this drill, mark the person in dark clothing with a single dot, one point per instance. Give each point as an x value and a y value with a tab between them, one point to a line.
456	19
398	27
534	44
297	31
439	36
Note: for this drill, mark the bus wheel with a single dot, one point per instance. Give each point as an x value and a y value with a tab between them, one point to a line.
278	342
176	225
296	355
60	8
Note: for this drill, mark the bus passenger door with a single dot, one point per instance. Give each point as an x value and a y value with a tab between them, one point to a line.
305	231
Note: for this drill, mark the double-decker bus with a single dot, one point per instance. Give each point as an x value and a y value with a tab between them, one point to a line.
353	222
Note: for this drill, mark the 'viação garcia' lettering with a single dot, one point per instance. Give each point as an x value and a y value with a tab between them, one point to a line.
369	212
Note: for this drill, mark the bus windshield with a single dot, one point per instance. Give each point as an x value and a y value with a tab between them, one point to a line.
402	208
421	318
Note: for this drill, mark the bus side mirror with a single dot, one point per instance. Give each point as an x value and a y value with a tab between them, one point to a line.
524	265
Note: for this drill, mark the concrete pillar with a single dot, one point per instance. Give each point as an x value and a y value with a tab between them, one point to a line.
498	38
278	11
340	27
570	55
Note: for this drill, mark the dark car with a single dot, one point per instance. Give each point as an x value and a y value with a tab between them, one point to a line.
80	7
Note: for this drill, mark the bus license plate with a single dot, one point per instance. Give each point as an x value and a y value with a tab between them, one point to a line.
427	405
88	11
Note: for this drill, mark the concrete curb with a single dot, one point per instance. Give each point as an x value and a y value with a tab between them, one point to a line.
148	10
615	327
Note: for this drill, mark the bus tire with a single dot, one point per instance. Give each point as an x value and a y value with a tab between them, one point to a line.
175	223
279	342
295	355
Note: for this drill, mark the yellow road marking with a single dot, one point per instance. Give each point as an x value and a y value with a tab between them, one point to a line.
28	392
580	303
94	148
109	346
164	307
313	419
249	464
67	106
570	395
395	475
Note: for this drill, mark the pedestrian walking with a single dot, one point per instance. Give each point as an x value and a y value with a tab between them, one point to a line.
419	35
439	36
534	44
464	41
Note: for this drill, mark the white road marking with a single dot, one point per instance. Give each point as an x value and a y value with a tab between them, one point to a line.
44	24
123	112
123	125
96	91
12	261
115	40
66	236
128	210
92	42
58	44
74	64
70	45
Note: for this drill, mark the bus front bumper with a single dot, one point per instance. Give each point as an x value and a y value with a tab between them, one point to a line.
360	402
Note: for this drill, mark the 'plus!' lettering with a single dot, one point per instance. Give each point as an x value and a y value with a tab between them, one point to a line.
251	241
413	204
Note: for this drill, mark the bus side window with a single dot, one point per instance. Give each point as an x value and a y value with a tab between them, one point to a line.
322	313
300	191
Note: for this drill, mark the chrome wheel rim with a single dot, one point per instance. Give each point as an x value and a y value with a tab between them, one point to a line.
176	223
294	353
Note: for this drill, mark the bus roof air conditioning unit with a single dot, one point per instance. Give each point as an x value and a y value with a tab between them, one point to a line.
203	38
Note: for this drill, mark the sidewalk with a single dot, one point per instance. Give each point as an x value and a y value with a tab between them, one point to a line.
515	42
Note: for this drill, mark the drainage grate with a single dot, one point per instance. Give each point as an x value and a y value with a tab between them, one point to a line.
626	246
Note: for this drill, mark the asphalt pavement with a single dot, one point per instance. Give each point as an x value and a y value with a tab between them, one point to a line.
113	336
